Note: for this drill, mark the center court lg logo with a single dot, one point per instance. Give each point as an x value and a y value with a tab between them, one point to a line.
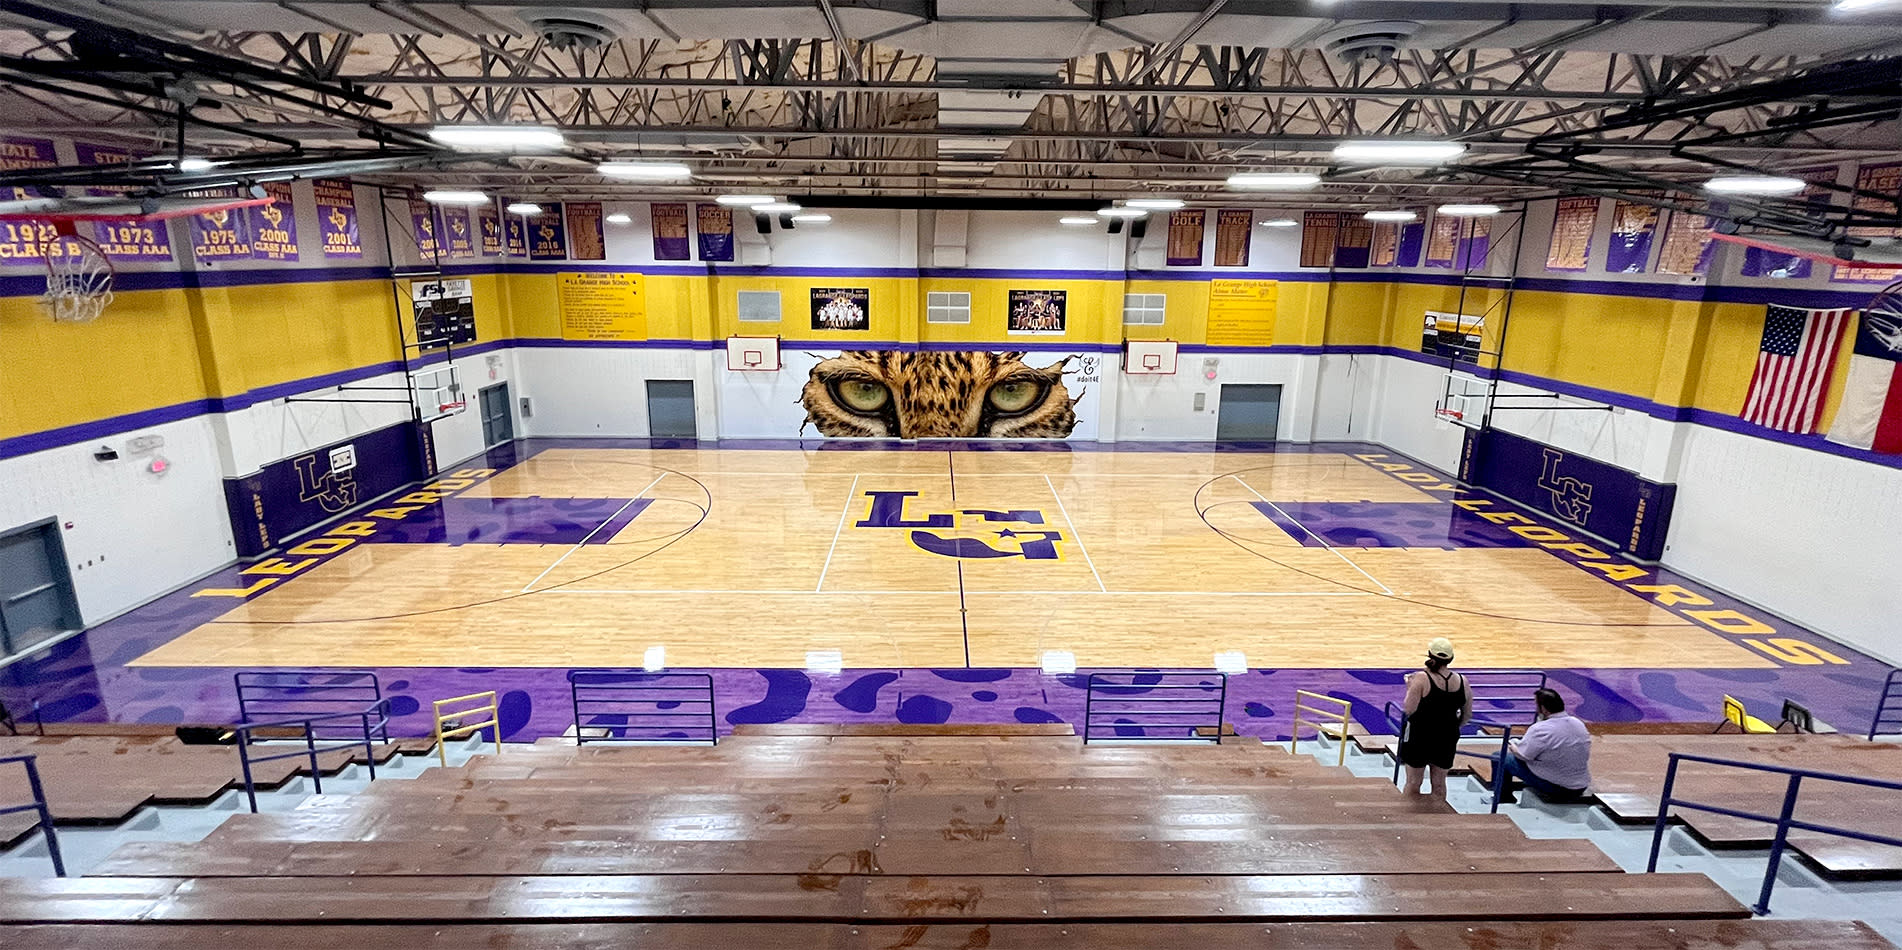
1571	498
966	532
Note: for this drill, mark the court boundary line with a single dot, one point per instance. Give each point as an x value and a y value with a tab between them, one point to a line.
1100	586
851	495
882	593
1344	558
597	528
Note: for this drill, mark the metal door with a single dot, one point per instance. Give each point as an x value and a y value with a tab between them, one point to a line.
497	427
670	409
1248	413
36	590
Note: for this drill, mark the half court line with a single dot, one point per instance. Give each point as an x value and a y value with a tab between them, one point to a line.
1349	561
597	528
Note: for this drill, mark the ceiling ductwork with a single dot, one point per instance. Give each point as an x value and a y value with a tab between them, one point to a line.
570	29
1377	41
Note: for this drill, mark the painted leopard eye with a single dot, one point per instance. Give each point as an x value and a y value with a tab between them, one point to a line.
862	395
1015	395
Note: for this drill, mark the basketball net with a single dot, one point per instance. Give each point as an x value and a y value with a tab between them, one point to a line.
78	276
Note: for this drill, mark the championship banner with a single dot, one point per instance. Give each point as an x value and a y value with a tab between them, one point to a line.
1353	241
1633	228
1037	312
490	227
602	306
1475	240
274	226
220	235
1763	262
1412	241
1443	241
715	224
1242	312
670	232
1185	237
1318	230
422	220
1234	229
337	217
23	240
586	240
458	237
515	235
1386	244
1687	244
1572	226
841	308
124	239
547	235
1884	179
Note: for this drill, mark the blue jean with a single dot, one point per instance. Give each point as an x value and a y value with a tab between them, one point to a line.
1516	768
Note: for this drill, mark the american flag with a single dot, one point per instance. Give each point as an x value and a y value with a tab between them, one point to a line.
1794	362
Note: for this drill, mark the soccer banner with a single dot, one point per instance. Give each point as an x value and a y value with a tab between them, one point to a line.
715	223
670	232
337	217
274	226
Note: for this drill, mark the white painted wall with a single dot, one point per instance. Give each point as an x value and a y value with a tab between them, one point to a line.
135	534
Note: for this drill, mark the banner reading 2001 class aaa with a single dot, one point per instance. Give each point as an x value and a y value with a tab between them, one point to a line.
337	217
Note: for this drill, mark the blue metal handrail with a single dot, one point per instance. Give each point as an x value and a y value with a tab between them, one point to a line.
642	706
1888	707
37	805
1784	819
1130	698
304	694
1398	719
369	730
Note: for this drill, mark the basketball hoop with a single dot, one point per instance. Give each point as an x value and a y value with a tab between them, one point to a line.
1450	415
78	276
451	408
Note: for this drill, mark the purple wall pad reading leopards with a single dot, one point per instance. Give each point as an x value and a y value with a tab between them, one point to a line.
88	677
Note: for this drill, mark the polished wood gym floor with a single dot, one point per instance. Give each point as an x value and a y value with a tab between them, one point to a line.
753	557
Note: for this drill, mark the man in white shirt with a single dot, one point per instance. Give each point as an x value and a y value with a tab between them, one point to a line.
1554	757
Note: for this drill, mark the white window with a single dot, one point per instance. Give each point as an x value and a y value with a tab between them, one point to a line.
947	307
1144	309
759	306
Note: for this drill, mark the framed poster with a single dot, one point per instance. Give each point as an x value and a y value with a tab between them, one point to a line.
1037	312
841	308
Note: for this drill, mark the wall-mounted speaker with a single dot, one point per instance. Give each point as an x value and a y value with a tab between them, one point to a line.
1138	228
785	221
763	223
1116	226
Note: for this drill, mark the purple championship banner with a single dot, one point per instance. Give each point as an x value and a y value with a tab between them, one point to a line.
289	495
273	227
490	227
1625	511
337	217
1474	243
423	225
1763	262
458	235
715	224
515	235
1412	241
124	239
221	235
1633	228
548	235
23	240
670	232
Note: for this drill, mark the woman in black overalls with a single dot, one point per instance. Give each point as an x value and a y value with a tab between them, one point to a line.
1437	705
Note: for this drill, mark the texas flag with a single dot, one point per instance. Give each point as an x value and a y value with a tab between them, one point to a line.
1870	416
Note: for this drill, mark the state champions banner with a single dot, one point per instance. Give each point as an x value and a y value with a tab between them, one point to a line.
24	240
457	233
337	217
273	227
220	235
490	228
124	239
548	235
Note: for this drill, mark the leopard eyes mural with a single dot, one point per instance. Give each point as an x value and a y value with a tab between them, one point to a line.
887	393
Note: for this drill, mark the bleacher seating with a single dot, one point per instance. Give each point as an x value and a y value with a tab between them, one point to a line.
883	840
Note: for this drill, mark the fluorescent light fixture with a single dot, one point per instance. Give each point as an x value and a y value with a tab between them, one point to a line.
455	197
1273	181
1397	153
655	659
1469	211
1115	211
776	207
1851	6
1057	662
1232	662
812	217
1754	185
646	171
825	661
197	164
1390	216
1079	219
523	207
1280	223
620	218
744	201
1154	204
497	136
